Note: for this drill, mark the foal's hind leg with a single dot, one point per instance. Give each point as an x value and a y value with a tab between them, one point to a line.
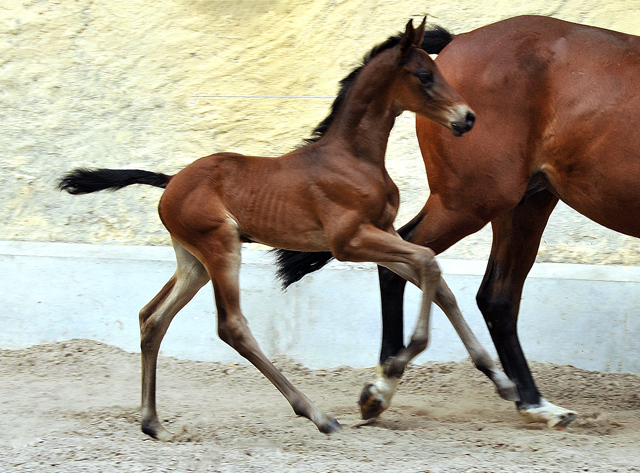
155	318
221	255
479	355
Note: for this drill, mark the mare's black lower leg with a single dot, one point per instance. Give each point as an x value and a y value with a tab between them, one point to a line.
516	238
392	289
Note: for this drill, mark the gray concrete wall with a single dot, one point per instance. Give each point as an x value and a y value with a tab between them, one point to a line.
582	315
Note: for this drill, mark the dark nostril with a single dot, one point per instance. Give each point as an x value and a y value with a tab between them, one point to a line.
470	119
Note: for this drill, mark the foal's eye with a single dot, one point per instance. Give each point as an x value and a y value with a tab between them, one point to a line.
425	77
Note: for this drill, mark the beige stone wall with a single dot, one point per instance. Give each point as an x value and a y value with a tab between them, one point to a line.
115	84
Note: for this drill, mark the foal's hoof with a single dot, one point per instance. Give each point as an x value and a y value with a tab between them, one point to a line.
371	402
330	426
157	432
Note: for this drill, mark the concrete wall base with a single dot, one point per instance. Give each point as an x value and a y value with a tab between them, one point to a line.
582	315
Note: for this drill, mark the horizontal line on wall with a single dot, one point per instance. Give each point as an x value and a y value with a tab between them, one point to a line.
240	96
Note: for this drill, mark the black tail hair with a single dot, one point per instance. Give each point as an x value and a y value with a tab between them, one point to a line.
85	181
294	265
435	39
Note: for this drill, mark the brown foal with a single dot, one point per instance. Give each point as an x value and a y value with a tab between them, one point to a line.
332	194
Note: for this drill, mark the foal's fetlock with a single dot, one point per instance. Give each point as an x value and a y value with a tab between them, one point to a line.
329	425
507	390
157	431
325	423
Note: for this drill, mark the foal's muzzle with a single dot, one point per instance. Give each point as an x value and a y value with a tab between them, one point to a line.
462	126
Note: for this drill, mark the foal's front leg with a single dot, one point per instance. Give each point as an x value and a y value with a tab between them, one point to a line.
414	263
376	397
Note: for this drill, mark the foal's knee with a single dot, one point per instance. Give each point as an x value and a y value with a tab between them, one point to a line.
429	268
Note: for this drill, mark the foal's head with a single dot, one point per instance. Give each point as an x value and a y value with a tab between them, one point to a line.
420	88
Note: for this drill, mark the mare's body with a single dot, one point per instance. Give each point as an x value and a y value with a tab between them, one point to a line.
560	119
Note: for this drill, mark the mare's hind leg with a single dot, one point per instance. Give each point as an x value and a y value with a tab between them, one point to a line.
155	318
220	252
516	238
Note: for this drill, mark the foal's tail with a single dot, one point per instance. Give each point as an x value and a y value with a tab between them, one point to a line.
86	181
292	265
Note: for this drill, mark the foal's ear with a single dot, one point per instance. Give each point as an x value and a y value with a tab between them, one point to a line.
418	35
407	42
412	38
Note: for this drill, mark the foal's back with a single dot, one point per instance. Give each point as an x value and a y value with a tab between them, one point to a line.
558	106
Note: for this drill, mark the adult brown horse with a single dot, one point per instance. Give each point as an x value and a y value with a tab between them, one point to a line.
558	106
332	194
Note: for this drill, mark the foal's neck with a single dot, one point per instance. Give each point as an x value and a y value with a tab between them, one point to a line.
366	118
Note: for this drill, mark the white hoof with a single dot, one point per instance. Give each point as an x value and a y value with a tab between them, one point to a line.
555	417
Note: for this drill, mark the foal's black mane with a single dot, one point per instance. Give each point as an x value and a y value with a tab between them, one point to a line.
345	86
294	265
435	40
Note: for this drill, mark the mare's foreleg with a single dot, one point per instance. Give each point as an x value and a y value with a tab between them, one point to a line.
392	289
516	238
155	319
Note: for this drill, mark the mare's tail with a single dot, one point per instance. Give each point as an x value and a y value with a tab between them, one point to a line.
86	181
294	265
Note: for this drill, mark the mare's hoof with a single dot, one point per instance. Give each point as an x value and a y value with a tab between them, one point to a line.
562	421
555	417
371	403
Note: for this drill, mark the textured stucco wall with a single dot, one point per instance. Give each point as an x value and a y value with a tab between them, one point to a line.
115	84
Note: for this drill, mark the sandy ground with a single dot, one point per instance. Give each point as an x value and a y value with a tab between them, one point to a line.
73	407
